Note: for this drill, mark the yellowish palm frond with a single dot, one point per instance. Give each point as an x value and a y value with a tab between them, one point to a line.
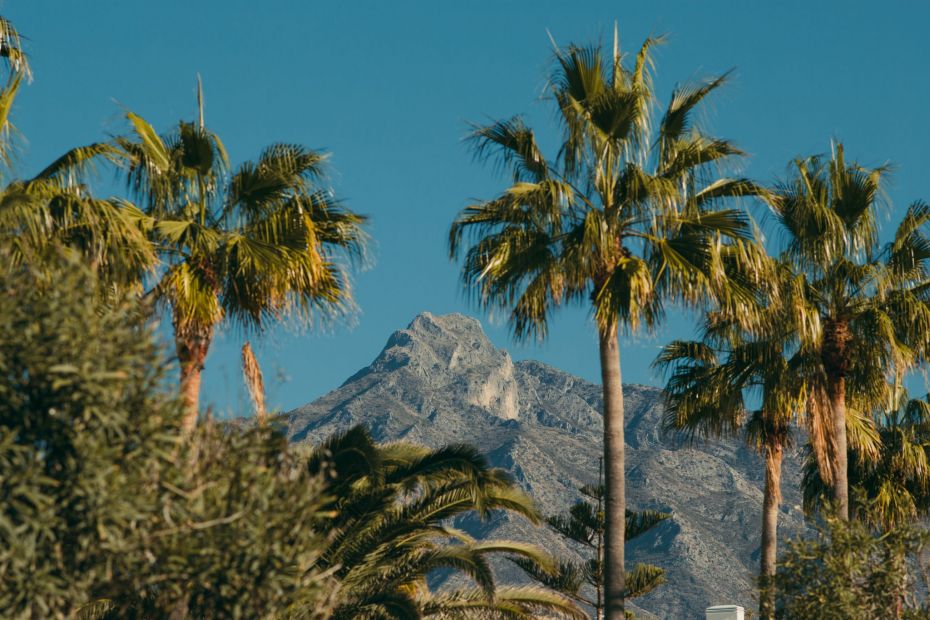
254	382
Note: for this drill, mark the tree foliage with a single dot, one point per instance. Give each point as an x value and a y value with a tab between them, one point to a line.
106	511
250	247
584	526
393	507
850	572
890	486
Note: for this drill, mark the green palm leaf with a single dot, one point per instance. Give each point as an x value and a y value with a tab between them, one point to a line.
150	143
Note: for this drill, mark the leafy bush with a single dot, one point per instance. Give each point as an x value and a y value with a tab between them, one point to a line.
106	509
583	582
849	572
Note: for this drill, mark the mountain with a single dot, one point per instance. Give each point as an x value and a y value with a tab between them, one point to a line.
441	381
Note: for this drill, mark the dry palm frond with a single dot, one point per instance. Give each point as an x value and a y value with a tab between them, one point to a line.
254	381
820	426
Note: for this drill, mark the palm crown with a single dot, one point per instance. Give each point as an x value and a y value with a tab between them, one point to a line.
56	212
624	215
732	377
862	309
251	247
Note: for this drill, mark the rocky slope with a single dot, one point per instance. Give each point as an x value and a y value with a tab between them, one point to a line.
441	381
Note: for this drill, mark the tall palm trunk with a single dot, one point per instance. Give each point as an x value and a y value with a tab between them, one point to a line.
836	337
192	345
771	497
614	477
837	395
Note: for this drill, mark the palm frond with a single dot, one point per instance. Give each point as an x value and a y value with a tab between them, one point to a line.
254	382
151	145
77	162
7	97
510	603
514	145
677	120
12	52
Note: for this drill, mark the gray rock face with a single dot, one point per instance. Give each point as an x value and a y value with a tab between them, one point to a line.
441	381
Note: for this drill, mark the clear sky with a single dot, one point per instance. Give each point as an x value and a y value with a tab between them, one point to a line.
388	88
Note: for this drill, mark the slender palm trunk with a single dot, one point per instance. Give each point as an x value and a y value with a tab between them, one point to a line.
837	394
192	346
614	477
771	498
835	354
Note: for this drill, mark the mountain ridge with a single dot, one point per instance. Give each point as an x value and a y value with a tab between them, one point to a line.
441	381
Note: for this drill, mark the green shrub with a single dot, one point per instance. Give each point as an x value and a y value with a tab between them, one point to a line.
106	508
850	572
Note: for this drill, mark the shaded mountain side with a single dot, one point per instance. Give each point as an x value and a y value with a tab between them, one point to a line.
441	381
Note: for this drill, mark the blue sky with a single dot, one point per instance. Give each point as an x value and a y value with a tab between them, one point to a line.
388	88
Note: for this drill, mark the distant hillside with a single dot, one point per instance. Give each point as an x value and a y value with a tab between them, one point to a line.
441	381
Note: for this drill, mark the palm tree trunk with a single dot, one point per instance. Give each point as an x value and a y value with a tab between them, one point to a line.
835	354
837	388
614	476
192	345
771	499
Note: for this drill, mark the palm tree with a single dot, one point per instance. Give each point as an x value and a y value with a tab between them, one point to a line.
264	243
393	505
732	380
16	62
892	487
624	219
55	212
868	303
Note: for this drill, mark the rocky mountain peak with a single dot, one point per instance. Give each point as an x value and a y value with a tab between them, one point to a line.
448	353
441	381
439	343
457	325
